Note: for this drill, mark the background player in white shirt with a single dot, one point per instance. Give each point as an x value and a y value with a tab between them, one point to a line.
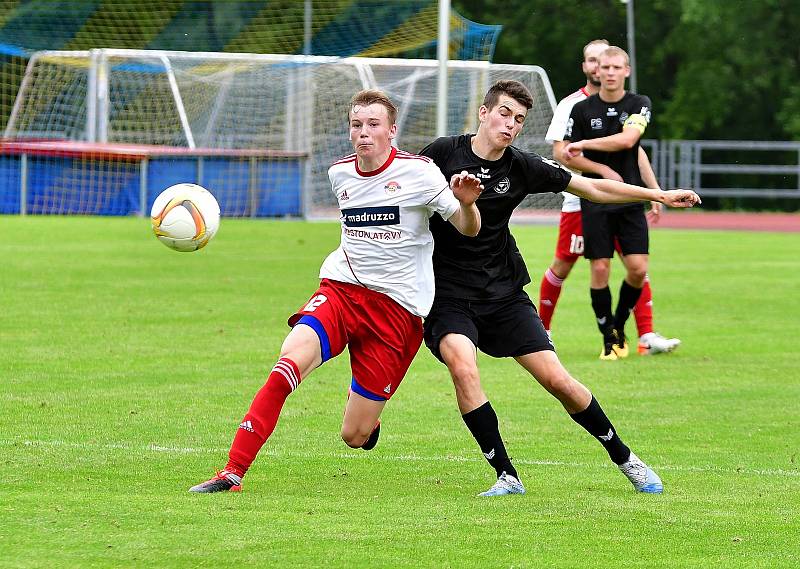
376	286
569	245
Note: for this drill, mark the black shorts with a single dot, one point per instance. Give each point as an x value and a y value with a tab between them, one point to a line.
602	226
500	328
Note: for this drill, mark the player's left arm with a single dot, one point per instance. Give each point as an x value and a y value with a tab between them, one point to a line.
650	180
611	191
467	189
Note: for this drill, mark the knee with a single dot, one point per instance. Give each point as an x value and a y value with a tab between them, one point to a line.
601	271
561	268
465	375
636	276
354	437
558	383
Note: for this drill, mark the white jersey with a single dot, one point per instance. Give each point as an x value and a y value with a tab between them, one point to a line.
558	127
386	244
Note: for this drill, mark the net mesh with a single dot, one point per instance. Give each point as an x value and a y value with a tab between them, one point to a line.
279	104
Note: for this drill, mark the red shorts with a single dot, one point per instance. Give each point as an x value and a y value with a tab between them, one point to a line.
569	246
383	336
570	237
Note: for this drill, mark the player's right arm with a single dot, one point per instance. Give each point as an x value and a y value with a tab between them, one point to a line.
632	130
579	162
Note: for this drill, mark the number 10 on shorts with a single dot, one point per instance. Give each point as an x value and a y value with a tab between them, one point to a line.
575	244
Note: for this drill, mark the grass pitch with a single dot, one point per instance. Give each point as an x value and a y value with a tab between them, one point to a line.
125	369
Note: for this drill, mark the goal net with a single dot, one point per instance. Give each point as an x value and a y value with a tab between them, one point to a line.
278	106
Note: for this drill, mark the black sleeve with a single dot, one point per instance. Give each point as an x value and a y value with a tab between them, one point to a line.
575	123
545	175
438	151
643	107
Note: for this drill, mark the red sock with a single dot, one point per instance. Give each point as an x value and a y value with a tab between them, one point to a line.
549	291
643	311
260	421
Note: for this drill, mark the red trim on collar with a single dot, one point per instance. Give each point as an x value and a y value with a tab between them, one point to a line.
392	154
584	91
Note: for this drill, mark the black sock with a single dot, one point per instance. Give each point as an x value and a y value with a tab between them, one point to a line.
601	303
594	420
482	423
628	297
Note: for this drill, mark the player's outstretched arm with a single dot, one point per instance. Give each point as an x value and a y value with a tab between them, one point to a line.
610	191
467	189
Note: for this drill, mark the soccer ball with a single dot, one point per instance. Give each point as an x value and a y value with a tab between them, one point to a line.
185	217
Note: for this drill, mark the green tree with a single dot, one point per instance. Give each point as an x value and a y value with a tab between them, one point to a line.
714	69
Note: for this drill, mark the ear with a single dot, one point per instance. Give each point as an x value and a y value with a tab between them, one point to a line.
482	112
628	71
392	131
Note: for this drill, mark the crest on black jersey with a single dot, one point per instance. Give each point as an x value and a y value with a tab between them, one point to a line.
502	186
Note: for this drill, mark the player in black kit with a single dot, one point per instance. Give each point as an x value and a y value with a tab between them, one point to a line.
605	129
480	303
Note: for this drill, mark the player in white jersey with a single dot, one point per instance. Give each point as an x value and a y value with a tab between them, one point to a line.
569	246
375	289
386	245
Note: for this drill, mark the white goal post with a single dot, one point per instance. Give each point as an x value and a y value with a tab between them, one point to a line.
289	104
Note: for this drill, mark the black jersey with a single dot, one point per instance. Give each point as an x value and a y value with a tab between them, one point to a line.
595	118
488	266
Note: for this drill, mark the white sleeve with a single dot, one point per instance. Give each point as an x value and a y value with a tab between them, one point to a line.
331	180
439	197
558	126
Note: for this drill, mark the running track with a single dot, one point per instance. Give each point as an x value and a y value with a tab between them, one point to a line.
673	219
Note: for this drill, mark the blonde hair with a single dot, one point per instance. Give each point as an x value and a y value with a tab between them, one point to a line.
613	51
370	97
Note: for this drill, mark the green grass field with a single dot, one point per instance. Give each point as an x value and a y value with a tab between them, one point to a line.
125	369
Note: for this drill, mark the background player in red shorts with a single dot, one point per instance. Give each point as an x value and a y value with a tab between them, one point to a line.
569	246
375	288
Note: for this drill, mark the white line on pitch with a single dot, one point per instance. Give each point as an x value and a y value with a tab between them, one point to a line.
377	456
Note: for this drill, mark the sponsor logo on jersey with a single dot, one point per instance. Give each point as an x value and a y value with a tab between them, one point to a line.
392	187
344	197
611	112
503	186
623	117
371	216
597	124
483	174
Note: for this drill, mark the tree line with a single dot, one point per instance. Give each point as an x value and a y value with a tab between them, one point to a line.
714	69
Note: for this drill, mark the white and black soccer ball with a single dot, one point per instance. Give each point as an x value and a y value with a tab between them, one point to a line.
185	217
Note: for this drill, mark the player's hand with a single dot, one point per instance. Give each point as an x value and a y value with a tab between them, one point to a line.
466	187
681	198
654	214
572	150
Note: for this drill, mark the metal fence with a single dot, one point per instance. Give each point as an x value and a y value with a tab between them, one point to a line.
742	166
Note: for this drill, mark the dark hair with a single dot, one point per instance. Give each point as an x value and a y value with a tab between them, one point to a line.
370	97
513	89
